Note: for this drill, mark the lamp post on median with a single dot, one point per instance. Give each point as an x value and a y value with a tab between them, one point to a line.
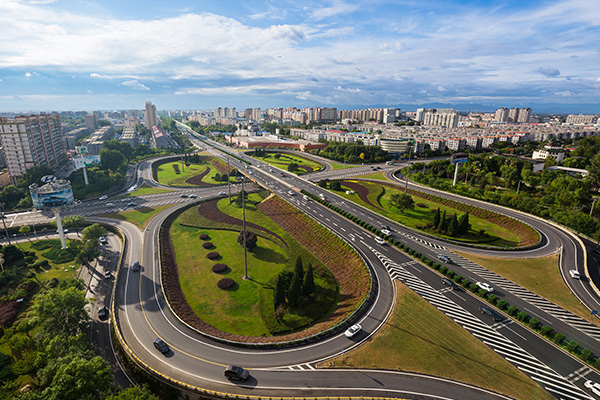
4	223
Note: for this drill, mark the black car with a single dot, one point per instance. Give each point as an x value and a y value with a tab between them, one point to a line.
161	346
237	373
184	196
450	282
491	313
102	312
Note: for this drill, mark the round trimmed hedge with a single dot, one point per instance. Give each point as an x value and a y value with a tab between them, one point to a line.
217	268
213	255
207	245
204	236
225	283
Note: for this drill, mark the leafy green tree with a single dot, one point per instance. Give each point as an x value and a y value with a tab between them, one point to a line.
25	229
79	378
103	122
34	175
93	232
322	183
453	227
292	167
295	291
111	159
134	393
241	196
309	280
594	169
251	240
402	201
62	311
279	293
436	218
72	221
335	185
463	224
299	267
443	226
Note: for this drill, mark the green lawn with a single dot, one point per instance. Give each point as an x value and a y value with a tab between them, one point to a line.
140	216
247	309
145	189
540	275
286	159
380	196
419	338
167	173
60	271
334	165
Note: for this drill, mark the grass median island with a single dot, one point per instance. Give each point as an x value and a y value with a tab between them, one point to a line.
192	174
146	189
419	338
247	309
140	216
283	160
377	197
540	275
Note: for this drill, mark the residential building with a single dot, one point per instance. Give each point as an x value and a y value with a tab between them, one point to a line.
456	144
501	115
150	115
441	117
31	141
73	136
394	146
159	139
91	121
513	115
474	142
524	116
437	144
581	119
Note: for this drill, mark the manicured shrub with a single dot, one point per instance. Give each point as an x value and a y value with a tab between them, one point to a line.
53	282
558	338
492	298
534	323
457	278
418	255
597	363
213	255
204	236
450	274
523	316
225	283
572	346
473	288
502	304
443	269
586	354
466	283
411	252
218	268
512	311
207	245
546	330
437	265
482	293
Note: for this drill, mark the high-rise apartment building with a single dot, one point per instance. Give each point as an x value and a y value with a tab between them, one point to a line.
150	115
91	121
441	117
31	141
501	115
581	119
524	115
513	115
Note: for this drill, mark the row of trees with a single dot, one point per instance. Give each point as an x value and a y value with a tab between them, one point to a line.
353	153
292	287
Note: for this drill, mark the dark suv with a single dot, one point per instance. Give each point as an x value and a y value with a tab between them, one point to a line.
450	282
237	373
161	346
489	312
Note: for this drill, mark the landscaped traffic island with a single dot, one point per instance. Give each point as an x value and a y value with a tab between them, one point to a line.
302	278
193	172
438	216
290	162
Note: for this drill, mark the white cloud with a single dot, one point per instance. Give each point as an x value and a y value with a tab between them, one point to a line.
28	74
565	93
548	71
350	90
95	75
338	7
134	84
398	46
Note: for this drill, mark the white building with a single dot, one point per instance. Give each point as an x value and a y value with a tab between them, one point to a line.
442	117
149	115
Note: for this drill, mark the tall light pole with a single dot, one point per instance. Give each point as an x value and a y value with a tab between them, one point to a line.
244	229
4	223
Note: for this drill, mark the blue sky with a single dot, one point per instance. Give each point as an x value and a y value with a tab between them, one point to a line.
105	54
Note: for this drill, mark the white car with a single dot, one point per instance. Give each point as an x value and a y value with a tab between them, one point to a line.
103	239
386	232
574	274
353	330
379	240
222	194
593	386
104	197
485	286
291	193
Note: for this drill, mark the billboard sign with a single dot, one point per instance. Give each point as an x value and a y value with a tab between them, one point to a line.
48	178
460	158
86	161
81	149
51	195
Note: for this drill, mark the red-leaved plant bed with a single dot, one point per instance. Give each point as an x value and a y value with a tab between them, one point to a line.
217	268
207	245
213	255
225	283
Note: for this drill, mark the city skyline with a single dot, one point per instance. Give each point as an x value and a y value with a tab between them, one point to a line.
72	55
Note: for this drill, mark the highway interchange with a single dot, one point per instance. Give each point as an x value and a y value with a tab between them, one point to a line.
198	361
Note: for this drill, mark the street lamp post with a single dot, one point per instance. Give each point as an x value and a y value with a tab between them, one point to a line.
244	230
4	223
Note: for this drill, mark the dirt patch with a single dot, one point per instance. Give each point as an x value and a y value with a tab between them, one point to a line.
197	179
360	190
306	168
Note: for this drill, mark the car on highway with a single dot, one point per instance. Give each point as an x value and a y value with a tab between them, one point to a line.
574	274
107	275
451	283
593	386
193	196
131	204
485	286
109	204
135	267
102	312
103	239
444	258
291	192
379	240
222	194
386	232
161	346
183	196
353	330
103	197
65	231
490	313
235	372
305	197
